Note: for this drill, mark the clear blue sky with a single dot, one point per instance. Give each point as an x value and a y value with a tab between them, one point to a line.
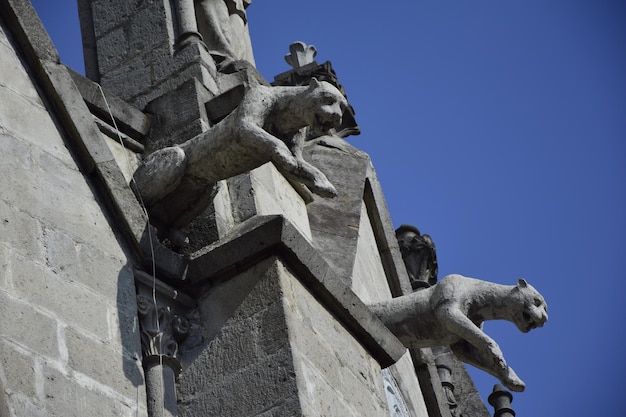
499	128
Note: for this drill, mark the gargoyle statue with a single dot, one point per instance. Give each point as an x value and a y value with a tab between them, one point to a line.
452	312
175	183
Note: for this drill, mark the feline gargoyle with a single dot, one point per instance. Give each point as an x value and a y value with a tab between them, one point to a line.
175	183
452	312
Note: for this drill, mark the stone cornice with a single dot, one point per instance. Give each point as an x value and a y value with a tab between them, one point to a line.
265	236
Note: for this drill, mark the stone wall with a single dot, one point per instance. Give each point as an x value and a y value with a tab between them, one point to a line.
131	49
68	335
273	349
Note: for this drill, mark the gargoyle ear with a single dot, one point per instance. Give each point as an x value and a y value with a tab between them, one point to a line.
521	283
314	83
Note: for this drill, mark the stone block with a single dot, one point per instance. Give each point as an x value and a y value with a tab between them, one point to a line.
150	26
325	353
43	186
105	363
25	406
224	396
22	119
46	187
313	317
110	14
369	280
111	49
126	159
28	327
84	263
123	319
323	399
66	395
17	362
232	298
20	231
247	343
223	209
5	266
14	76
129	119
40	286
274	195
404	373
117	79
165	64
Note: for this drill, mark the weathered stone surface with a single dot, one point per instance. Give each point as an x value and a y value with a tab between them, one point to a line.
41	287
261	236
71	395
176	182
326	355
335	223
467	396
368	275
20	231
5	267
128	119
62	264
41	336
247	341
264	191
110	367
452	312
300	54
224	28
265	325
403	372
18	365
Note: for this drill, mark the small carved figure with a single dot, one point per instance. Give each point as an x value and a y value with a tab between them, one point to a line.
224	28
175	183
452	312
419	256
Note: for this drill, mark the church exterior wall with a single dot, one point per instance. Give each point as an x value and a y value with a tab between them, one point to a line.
69	342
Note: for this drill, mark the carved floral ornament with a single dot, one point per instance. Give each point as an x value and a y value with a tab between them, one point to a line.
300	54
161	330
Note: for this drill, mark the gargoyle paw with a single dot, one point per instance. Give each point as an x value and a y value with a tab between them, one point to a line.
323	188
512	381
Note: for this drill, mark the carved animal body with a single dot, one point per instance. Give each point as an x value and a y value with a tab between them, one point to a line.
452	312
175	183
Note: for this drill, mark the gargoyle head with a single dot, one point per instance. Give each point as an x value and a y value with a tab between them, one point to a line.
328	106
531	310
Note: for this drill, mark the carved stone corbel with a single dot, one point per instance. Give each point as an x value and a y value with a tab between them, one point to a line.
161	331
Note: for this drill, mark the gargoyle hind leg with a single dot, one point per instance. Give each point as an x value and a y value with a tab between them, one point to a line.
483	360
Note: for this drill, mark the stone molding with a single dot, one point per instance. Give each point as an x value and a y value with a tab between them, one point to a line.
263	236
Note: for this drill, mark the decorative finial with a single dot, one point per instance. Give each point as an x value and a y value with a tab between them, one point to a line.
300	54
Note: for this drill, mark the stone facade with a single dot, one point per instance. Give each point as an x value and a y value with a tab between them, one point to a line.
264	313
68	341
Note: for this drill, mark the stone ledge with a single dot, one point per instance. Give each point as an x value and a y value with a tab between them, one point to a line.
265	236
130	120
